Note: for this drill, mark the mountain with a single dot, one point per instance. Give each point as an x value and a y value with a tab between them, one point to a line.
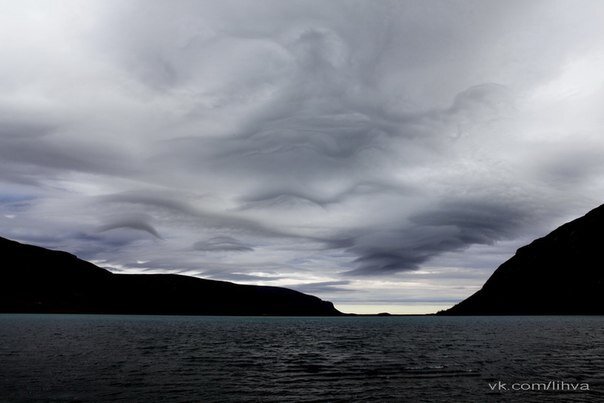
34	279
559	274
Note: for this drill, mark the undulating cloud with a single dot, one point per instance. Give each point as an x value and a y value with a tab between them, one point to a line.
390	152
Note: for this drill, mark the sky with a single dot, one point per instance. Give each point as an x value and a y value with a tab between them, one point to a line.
383	155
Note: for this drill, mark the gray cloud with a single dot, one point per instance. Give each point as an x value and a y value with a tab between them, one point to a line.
322	287
334	143
227	275
138	222
221	244
451	226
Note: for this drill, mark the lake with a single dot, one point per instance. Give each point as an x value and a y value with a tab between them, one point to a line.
398	358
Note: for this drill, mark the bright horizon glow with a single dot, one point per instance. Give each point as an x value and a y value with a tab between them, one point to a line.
392	309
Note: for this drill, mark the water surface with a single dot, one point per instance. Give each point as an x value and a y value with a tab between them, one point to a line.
180	358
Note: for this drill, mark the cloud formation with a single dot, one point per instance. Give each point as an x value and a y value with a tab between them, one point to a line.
338	146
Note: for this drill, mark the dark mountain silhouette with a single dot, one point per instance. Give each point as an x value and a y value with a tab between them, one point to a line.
34	279
559	274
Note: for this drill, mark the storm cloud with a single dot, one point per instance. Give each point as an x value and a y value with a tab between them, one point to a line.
353	148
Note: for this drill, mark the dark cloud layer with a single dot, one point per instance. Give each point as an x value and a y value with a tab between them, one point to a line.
348	148
450	227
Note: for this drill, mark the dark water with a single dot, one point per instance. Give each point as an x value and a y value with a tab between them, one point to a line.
431	359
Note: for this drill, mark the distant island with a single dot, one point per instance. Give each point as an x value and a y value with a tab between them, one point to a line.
559	274
39	280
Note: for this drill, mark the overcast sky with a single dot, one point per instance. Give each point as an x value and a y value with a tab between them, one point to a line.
384	155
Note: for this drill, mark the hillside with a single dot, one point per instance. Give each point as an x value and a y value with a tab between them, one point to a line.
35	279
559	274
